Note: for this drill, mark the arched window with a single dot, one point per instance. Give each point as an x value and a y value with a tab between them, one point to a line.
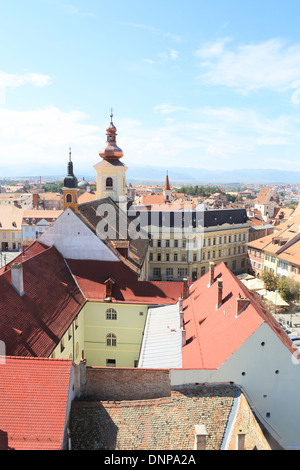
111	339
109	183
111	314
69	198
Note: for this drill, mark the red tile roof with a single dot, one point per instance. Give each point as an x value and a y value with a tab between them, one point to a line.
214	334
50	303
91	276
34	394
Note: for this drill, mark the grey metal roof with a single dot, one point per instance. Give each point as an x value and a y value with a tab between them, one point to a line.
161	345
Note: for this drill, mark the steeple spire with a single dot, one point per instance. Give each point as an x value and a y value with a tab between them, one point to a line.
111	151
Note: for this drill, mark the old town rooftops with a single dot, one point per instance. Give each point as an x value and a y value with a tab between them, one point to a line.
220	317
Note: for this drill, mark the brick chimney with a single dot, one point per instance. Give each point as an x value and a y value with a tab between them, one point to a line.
181	312
109	287
220	293
35	201
185	292
241	303
211	273
183	336
200	437
17	278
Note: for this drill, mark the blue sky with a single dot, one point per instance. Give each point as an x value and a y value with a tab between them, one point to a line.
206	84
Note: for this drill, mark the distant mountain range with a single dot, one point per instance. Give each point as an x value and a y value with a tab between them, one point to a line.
178	175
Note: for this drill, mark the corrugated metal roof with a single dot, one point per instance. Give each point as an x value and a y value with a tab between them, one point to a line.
161	346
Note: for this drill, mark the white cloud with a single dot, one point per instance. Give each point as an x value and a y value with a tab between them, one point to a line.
212	49
168	108
155	31
40	139
174	54
17	80
37	141
269	65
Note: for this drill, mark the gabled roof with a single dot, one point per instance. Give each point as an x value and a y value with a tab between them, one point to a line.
91	277
214	334
33	405
33	324
117	220
11	217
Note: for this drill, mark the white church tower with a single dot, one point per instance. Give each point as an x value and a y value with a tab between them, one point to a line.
111	180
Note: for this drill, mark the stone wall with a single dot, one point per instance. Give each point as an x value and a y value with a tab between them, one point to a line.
116	384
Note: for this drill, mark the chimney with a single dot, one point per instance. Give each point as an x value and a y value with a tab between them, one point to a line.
241	303
185	292
35	201
220	293
211	273
17	278
109	286
200	437
183	336
181	312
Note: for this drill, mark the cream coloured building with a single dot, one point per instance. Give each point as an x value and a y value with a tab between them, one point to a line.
183	243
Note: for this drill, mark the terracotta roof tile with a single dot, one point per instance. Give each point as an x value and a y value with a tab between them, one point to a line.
91	277
41	316
33	405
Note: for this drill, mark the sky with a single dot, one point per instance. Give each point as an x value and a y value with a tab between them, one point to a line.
205	84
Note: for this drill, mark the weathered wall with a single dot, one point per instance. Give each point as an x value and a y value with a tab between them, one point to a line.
124	384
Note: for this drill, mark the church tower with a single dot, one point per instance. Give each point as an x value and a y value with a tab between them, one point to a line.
111	181
167	190
70	188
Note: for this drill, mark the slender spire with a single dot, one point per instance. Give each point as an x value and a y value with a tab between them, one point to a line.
167	183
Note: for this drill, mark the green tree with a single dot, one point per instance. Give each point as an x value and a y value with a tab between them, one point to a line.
288	289
270	280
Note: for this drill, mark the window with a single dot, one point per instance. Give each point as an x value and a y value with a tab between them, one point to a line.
176	243
158	256
111	339
156	273
167	243
150	256
202	270
175	257
167	257
110	363
69	198
109	183
182	272
159	243
183	257
169	273
111	314
194	258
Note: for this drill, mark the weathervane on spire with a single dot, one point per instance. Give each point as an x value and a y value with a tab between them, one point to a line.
70	154
111	115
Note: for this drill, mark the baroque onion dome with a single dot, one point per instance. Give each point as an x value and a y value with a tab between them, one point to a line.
111	151
70	180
